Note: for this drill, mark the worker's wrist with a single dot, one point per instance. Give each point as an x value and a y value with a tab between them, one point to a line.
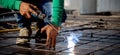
56	23
57	27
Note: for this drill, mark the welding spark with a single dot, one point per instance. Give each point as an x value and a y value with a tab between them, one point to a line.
73	39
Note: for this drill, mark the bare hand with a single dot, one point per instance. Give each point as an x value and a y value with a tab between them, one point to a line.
51	35
26	9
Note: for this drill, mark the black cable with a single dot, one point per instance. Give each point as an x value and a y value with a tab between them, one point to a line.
14	12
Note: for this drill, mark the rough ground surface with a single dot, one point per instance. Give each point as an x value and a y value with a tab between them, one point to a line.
97	35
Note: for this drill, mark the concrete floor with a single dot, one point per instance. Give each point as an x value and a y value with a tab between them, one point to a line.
89	39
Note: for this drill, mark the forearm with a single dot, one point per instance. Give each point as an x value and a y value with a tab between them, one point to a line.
10	4
57	12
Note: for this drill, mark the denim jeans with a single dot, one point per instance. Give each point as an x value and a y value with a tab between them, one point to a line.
46	8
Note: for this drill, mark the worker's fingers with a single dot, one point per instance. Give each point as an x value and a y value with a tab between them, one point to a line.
48	37
53	41
43	29
53	35
35	7
32	11
21	11
28	15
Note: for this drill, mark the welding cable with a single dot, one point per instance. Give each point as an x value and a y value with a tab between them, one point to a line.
15	12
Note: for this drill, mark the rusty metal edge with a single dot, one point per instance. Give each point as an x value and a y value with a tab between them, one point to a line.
9	30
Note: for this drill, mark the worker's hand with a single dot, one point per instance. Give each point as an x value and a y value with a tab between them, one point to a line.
51	35
26	9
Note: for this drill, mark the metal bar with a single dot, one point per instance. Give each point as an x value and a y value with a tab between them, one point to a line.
9	30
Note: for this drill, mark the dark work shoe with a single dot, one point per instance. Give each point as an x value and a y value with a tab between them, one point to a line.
40	37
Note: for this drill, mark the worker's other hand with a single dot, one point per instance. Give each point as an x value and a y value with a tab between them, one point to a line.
26	9
51	35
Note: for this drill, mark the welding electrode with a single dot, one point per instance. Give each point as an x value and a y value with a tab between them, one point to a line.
42	16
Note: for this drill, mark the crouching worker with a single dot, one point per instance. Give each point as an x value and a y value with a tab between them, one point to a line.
54	14
25	23
27	8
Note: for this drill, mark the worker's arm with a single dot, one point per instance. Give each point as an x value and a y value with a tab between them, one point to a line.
57	12
52	31
24	8
11	4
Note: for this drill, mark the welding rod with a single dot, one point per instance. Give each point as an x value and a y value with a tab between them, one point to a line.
41	16
53	27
